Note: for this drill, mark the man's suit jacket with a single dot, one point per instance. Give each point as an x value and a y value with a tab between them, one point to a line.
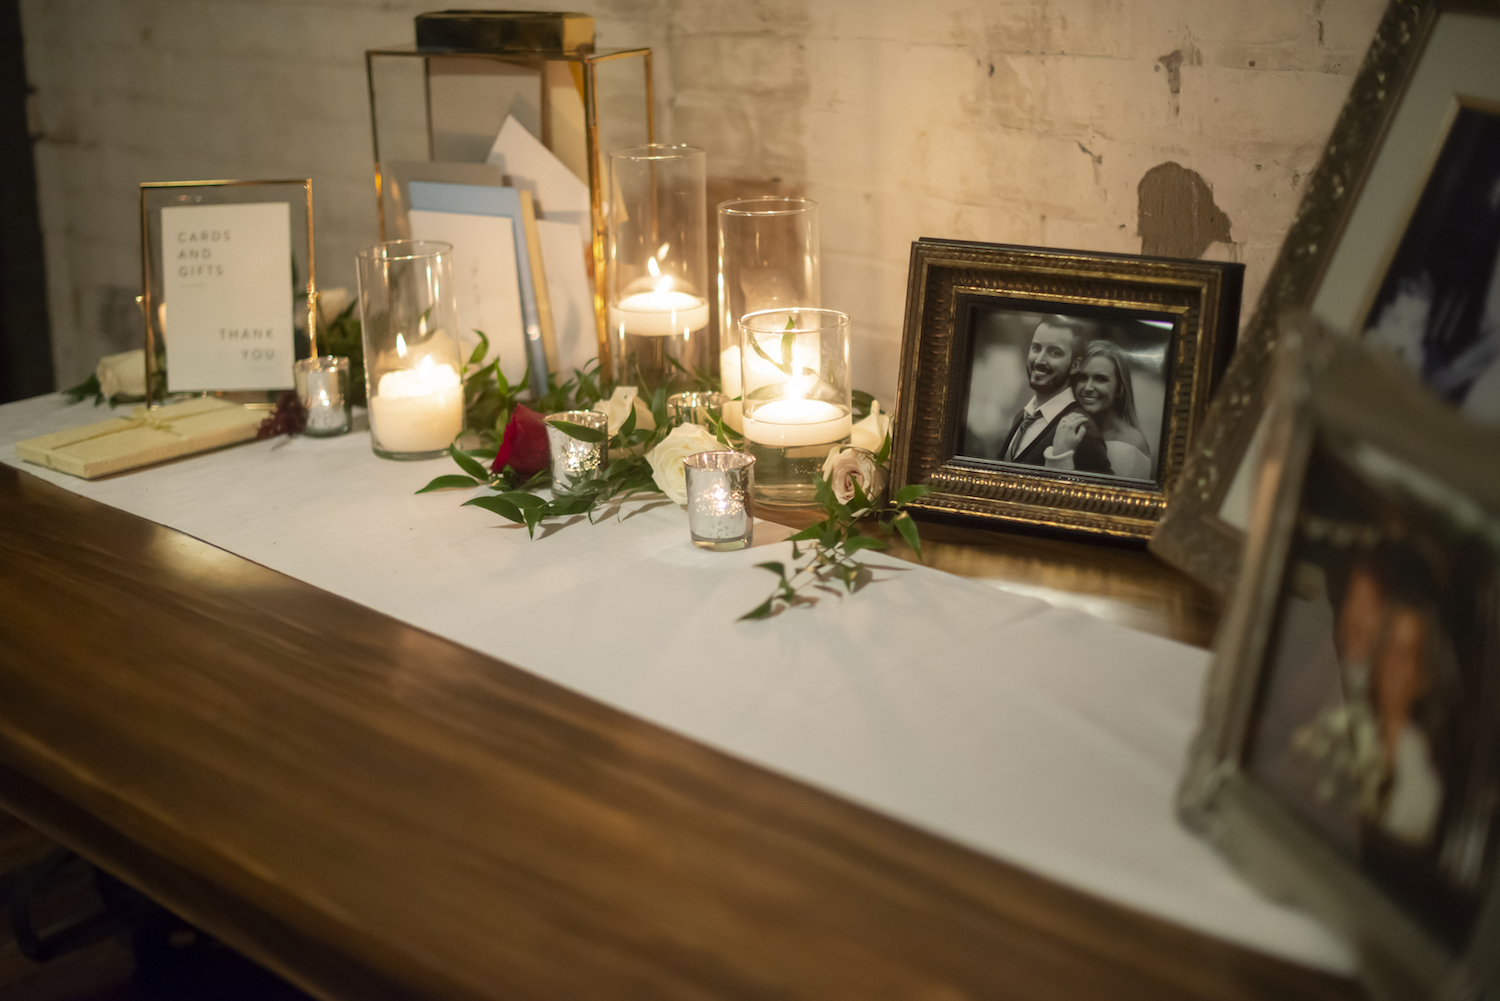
1090	456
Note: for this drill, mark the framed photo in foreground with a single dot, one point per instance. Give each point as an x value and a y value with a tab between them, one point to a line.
1397	241
1056	388
1349	755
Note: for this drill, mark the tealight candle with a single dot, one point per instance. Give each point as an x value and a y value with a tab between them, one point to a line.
323	389
417	410
574	459
720	505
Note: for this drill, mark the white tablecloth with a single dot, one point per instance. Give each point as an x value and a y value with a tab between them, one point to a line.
1040	735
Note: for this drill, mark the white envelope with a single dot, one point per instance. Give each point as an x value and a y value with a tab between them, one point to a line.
486	289
571	297
560	196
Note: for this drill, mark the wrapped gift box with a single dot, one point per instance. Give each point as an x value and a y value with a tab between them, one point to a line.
144	438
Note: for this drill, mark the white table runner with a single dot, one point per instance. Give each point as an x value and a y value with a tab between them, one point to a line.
1040	735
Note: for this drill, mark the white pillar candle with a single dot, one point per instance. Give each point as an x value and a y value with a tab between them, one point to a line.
794	423
418	410
659	314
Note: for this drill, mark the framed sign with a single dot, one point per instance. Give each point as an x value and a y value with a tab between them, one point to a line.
1348	759
1055	388
228	286
1397	240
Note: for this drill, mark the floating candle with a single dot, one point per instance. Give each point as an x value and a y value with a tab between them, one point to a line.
795	423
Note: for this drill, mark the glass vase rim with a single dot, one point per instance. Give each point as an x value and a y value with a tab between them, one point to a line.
741	460
840	319
730	207
656	151
561	414
418	250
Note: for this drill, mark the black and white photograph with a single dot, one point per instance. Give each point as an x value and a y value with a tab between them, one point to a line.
1375	727
1080	392
1438	307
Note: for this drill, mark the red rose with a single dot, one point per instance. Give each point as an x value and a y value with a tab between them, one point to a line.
523	447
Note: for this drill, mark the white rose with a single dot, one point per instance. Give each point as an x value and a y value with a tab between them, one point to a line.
847	465
666	458
619	405
332	302
123	374
870	433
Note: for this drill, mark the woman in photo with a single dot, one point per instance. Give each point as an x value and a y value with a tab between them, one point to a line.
1103	388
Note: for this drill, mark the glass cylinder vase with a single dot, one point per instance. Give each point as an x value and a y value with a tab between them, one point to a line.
768	259
658	266
794	370
413	359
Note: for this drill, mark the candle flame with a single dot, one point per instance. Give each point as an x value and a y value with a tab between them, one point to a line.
400	346
323	397
664	250
425	369
665	285
651	267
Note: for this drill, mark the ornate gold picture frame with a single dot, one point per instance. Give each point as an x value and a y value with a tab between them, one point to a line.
1428	61
1348	759
1055	389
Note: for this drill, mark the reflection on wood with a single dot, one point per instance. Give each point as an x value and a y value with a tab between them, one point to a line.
1120	583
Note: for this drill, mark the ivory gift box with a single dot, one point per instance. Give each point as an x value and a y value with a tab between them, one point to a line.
144	438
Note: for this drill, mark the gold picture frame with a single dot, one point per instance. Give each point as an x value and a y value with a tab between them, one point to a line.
1428	58
975	311
1348	757
157	195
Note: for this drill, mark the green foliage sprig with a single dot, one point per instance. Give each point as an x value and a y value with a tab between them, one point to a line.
517	501
834	542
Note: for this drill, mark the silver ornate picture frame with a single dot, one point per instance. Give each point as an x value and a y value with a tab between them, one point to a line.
1348	758
1052	388
1428	62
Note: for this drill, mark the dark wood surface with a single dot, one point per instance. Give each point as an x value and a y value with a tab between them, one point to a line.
376	812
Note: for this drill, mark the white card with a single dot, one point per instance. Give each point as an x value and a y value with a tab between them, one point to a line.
227	275
560	196
569	293
486	286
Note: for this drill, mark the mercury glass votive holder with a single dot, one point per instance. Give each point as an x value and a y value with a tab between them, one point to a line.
574	459
720	499
694	408
323	389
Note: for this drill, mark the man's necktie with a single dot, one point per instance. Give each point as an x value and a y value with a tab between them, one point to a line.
1020	435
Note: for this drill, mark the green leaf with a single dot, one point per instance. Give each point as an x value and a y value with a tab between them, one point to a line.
862	402
809	533
497	505
908	530
591	435
450	482
859	542
469	465
524	501
908	494
759	611
481	349
883	456
627	426
778	569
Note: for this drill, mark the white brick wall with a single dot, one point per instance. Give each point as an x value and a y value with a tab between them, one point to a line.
885	111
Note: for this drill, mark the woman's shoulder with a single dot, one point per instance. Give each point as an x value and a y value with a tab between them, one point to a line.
1127	460
1130	435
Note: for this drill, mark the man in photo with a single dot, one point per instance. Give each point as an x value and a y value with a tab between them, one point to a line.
1056	351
